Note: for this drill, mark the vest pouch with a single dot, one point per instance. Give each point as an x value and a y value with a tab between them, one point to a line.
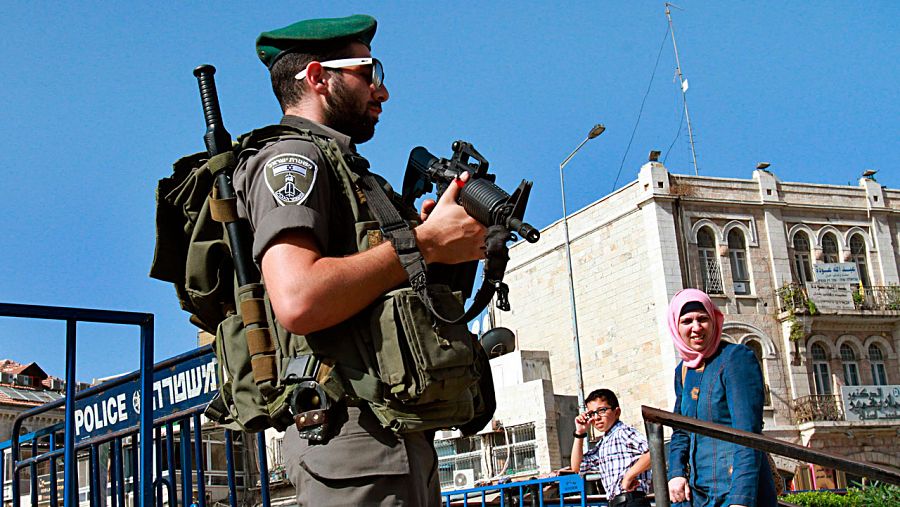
243	401
419	361
445	414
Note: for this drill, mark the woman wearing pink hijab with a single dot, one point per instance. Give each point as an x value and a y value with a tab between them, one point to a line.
718	382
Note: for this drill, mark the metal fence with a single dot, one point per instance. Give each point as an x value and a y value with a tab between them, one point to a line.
793	297
145	425
817	407
569	490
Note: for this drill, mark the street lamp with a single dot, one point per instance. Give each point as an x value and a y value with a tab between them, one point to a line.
596	131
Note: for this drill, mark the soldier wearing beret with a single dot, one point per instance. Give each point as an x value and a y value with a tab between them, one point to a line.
326	81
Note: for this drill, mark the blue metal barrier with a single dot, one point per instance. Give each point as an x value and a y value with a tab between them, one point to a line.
72	316
566	490
112	425
179	422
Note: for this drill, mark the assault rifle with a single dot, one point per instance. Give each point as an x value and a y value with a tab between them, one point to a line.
484	201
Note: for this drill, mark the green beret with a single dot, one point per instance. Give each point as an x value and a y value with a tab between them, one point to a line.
270	46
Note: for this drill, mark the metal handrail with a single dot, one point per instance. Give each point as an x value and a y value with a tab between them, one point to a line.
655	419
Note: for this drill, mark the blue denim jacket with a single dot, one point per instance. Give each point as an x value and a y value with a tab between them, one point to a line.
728	391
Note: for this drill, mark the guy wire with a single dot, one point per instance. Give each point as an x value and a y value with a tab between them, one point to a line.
640	112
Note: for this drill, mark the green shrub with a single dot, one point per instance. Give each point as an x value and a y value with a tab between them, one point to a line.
821	499
878	495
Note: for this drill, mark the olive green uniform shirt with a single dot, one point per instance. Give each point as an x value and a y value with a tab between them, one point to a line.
289	185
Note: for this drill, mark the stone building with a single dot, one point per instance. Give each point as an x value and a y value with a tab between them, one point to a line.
529	436
24	387
806	274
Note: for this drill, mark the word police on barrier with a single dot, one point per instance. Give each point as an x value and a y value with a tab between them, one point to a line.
836	272
181	387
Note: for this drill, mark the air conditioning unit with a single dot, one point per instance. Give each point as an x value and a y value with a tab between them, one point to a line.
741	288
6	378
464	479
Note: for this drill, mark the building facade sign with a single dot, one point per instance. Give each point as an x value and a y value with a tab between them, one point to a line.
836	272
181	387
870	403
830	296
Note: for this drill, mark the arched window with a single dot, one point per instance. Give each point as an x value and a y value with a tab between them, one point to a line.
821	371
802	262
876	362
830	249
756	347
858	256
709	262
737	252
851	368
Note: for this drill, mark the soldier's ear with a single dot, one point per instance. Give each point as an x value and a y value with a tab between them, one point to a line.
316	78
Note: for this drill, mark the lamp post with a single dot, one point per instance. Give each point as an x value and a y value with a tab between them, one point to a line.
596	131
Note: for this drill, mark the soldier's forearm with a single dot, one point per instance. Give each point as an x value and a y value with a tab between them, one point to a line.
310	292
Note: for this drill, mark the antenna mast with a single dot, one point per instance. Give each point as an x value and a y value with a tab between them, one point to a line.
683	85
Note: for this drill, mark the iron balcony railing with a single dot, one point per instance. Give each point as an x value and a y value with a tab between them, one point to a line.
792	297
816	408
655	419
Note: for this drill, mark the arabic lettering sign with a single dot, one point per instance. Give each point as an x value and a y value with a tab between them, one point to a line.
870	403
185	385
836	272
830	296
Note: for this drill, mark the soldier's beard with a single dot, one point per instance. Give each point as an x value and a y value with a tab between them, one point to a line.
348	116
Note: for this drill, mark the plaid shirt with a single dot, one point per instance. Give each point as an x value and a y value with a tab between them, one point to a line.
620	447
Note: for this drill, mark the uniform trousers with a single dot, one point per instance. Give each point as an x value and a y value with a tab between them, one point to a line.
364	464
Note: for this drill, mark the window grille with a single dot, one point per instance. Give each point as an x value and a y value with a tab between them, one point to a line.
709	262
517	454
458	454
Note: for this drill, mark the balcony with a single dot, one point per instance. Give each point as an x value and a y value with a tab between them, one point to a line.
792	298
817	408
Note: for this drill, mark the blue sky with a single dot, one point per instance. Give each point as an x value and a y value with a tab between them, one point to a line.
99	99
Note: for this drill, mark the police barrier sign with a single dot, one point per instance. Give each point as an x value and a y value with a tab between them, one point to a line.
183	386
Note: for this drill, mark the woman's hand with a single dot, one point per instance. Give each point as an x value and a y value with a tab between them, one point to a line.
679	491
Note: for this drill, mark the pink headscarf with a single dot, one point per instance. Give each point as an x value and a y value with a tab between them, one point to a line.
691	357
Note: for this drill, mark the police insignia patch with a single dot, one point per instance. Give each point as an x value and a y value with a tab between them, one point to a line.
290	177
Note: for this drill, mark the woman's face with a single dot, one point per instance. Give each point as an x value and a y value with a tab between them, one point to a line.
695	329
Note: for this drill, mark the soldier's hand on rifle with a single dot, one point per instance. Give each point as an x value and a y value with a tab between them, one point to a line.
449	235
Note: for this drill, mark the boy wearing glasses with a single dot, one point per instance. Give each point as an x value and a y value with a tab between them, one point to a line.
621	457
319	272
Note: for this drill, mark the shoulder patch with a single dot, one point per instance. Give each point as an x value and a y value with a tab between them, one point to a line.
290	177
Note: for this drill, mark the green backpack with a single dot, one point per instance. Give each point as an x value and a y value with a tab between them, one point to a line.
414	374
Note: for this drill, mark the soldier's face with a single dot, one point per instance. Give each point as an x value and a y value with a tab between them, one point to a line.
354	104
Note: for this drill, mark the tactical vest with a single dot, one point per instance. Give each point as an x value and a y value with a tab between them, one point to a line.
414	373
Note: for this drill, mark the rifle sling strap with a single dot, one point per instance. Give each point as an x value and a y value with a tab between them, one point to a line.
401	236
